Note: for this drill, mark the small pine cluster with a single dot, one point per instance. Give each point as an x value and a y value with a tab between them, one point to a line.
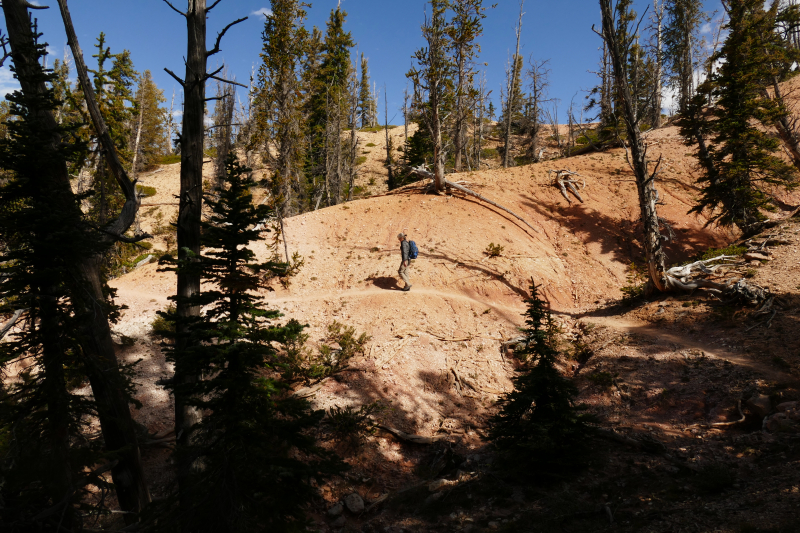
539	425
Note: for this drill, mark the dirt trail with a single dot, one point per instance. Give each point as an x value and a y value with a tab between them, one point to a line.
686	341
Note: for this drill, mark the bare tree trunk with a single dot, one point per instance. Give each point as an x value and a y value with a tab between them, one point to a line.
138	133
658	14
388	144
511	89
637	159
190	206
101	363
188	229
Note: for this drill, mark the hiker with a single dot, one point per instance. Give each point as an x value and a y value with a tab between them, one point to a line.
405	257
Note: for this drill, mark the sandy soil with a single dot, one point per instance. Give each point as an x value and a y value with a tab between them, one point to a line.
464	303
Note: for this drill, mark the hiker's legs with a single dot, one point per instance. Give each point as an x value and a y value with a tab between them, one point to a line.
403	272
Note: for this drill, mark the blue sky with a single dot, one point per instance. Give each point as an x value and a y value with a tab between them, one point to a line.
386	31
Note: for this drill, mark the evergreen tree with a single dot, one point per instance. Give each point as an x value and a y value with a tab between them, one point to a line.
366	105
681	45
539	426
255	444
739	157
45	457
465	29
432	78
278	116
327	109
154	119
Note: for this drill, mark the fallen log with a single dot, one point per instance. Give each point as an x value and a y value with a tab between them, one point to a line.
10	324
425	173
407	437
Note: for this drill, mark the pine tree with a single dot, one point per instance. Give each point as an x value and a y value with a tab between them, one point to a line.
681	44
432	78
465	29
255	445
327	108
739	158
539	426
45	457
365	103
279	120
151	129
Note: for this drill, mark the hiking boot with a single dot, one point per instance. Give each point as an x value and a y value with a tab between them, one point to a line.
407	288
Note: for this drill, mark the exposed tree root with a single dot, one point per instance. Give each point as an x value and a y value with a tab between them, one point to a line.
564	181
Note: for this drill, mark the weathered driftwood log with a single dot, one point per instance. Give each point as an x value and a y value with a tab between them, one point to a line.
416	439
564	182
427	174
10	324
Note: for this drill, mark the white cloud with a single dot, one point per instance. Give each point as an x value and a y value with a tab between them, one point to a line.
705	28
7	82
264	11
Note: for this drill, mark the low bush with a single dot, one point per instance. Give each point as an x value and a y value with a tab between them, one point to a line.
164	324
169	159
494	250
144	191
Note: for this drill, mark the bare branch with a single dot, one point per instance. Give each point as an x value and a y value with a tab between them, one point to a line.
168	71
228	81
222	33
213	6
31	6
175	9
128	213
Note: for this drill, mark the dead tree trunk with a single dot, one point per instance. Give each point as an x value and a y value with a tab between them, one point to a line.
511	90
637	155
190	207
101	364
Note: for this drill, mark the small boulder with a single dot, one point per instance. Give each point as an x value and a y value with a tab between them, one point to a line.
760	404
336	509
339	522
354	502
786	406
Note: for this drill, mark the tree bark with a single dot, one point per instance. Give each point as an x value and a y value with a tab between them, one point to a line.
654	252
511	88
188	229
101	363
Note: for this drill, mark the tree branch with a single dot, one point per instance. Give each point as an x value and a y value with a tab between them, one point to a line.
228	81
213	6
31	6
222	33
168	71
175	9
128	213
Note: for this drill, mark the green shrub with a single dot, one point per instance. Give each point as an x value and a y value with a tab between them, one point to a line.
169	159
489	153
361	160
375	129
370	145
164	324
729	250
637	279
494	250
350	426
144	191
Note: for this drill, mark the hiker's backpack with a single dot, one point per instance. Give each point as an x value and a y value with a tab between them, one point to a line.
413	252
